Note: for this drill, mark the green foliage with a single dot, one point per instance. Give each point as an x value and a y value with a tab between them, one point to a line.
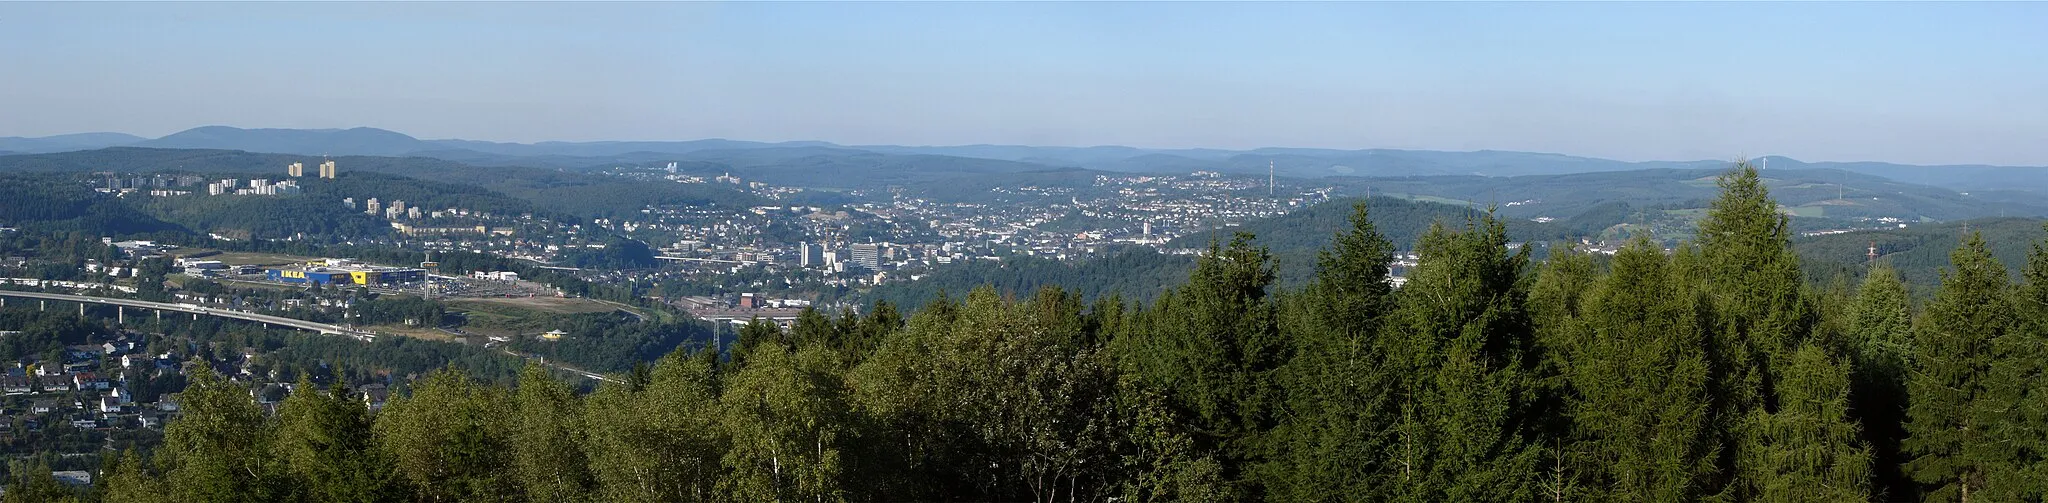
1917	253
1462	340
1707	373
1295	238
1338	387
215	449
127	478
1953	409
1214	349
60	204
324	444
1880	341
1637	365
1808	450
451	440
545	436
1029	390
660	443
1137	273
787	416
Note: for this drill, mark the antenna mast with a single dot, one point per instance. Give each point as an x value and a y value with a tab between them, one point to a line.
1873	253
1269	178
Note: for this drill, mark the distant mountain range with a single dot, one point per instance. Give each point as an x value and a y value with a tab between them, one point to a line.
889	163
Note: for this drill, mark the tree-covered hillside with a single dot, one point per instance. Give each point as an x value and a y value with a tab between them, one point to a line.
1710	373
60	204
1918	252
1135	274
581	194
1296	237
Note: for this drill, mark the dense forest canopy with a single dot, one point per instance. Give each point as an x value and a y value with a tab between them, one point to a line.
1712	372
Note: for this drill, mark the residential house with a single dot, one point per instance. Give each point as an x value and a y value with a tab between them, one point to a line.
17	385
89	381
55	383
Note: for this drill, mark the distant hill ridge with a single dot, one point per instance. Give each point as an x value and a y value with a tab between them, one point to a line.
1288	162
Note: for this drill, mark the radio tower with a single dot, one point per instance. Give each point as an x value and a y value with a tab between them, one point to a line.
1269	178
1873	253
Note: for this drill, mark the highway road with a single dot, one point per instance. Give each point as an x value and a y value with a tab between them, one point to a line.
195	309
260	318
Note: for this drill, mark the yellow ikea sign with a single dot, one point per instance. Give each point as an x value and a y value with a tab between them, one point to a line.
360	277
293	274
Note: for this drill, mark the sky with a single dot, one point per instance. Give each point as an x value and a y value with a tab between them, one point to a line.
1926	83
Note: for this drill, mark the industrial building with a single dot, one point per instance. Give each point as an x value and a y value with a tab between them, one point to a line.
346	273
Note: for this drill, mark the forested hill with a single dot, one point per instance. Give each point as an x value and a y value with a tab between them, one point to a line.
1918	252
52	203
586	195
1136	274
1294	238
1403	221
1712	373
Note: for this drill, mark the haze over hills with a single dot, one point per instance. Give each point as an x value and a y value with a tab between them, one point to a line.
899	161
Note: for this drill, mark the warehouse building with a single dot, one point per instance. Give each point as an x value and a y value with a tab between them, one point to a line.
344	273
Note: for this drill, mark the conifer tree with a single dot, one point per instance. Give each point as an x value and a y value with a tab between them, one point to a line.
1213	347
1761	315
1809	449
323	442
1948	434
1881	347
1339	400
1641	430
2017	387
1162	462
1460	336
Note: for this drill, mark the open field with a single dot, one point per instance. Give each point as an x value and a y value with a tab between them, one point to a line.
246	258
414	332
525	315
1809	211
555	305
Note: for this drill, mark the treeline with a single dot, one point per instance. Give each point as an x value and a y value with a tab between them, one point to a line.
1918	252
547	190
1708	373
611	341
1295	238
60	204
1136	273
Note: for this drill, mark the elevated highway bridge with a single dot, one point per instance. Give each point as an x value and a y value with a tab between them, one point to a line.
195	310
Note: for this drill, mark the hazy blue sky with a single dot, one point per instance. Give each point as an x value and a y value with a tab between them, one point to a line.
1905	82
